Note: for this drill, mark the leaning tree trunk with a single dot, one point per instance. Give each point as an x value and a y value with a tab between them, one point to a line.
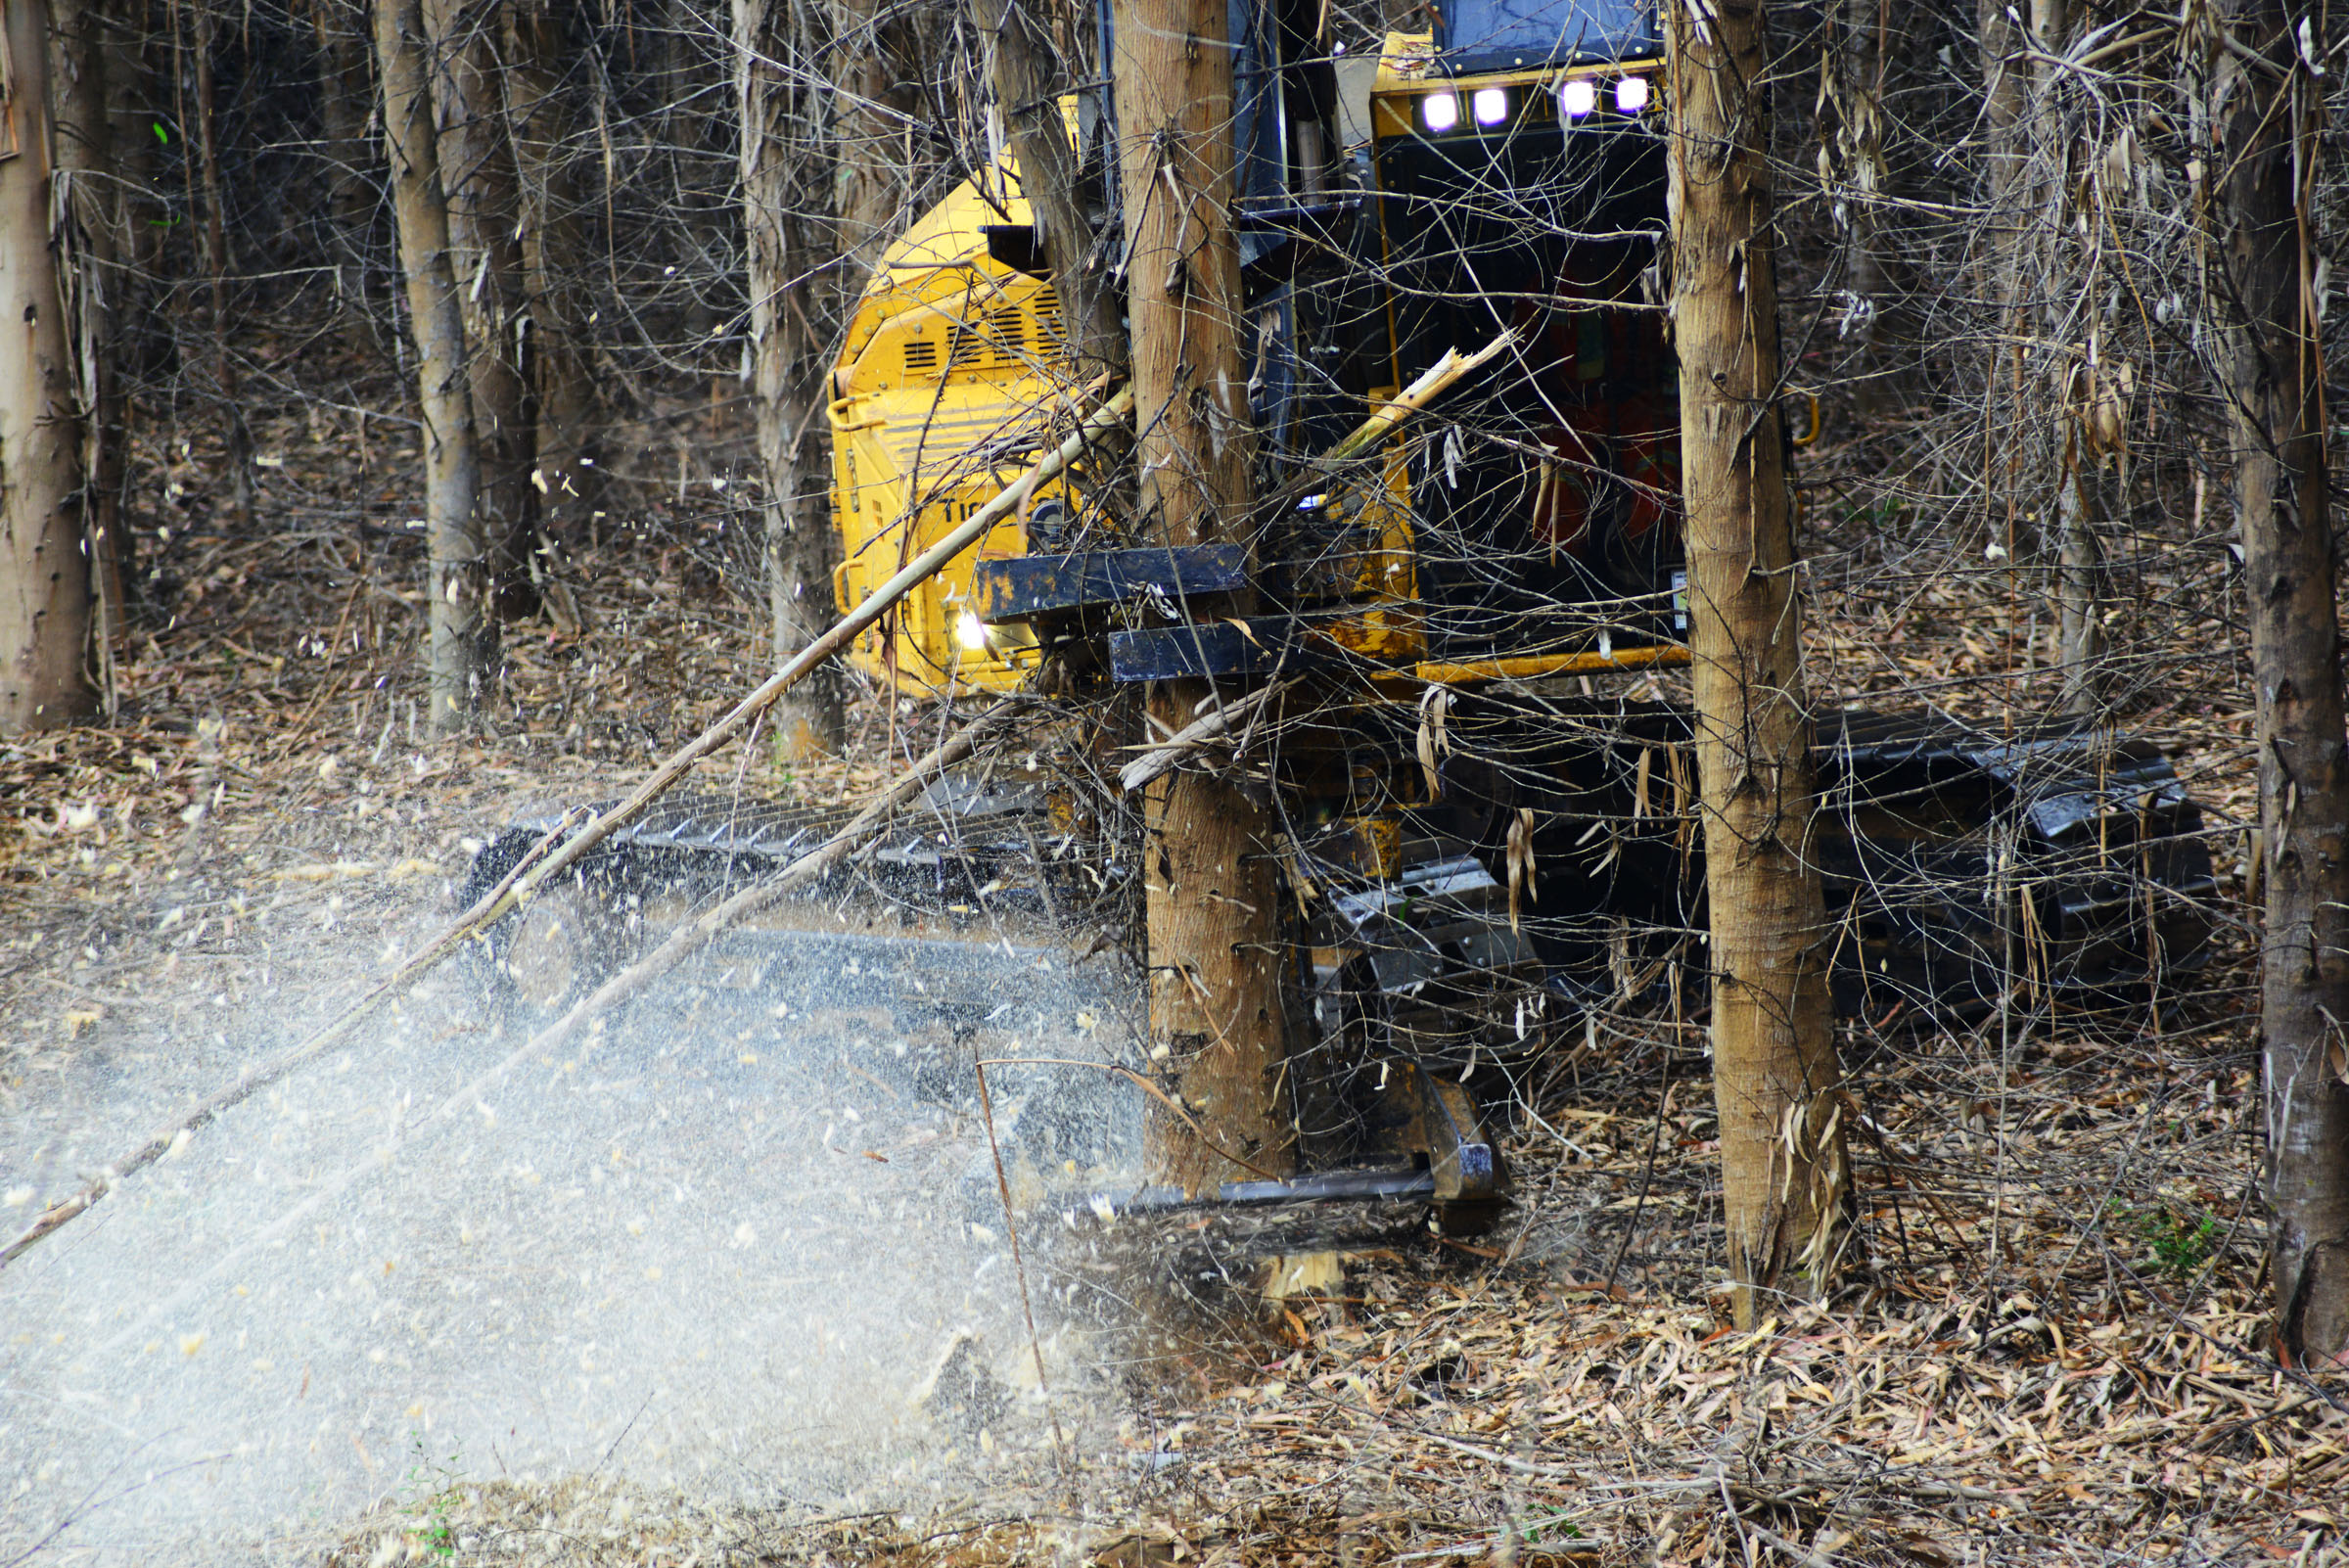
1785	1185
1209	900
44	576
2273	367
1028	90
484	206
464	633
787	379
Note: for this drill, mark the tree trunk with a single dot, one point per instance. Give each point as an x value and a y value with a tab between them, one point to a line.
1212	906
2274	371
2048	475
869	171
343	86
1027	89
464	632
554	263
484	206
94	246
787	376
2074	486
1852	89
238	457
44	576
1785	1185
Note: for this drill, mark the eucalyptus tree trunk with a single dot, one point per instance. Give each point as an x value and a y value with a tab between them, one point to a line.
1851	129
485	210
870	188
2047	472
44	574
1209	899
1786	1182
339	30
773	67
93	249
1027	89
2272	363
239	455
540	109
463	644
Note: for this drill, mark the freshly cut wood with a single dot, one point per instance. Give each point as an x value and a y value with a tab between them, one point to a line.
1786	1182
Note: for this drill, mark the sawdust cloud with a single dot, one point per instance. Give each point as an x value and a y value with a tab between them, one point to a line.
716	1248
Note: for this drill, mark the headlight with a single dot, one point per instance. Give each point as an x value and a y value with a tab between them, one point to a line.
1577	97
1440	112
1491	105
970	633
1631	94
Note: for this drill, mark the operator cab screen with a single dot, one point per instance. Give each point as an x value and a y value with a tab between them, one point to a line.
1477	35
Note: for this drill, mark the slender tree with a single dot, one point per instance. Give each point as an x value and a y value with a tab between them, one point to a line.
44	569
94	246
2051	478
485	226
1028	90
773	75
463	642
1209	899
1785	1183
338	28
2269	110
238	457
541	109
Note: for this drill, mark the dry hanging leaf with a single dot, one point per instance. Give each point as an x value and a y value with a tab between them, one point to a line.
1521	861
1433	705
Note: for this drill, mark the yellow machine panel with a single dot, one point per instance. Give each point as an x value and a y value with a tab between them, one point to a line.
952	366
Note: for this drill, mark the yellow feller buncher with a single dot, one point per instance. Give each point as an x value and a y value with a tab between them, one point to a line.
1488	841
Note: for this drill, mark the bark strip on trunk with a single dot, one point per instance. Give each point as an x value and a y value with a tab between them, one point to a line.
1213	926
2272	368
1785	1183
464	633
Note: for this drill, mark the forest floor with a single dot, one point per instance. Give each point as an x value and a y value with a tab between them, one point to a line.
2056	1347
